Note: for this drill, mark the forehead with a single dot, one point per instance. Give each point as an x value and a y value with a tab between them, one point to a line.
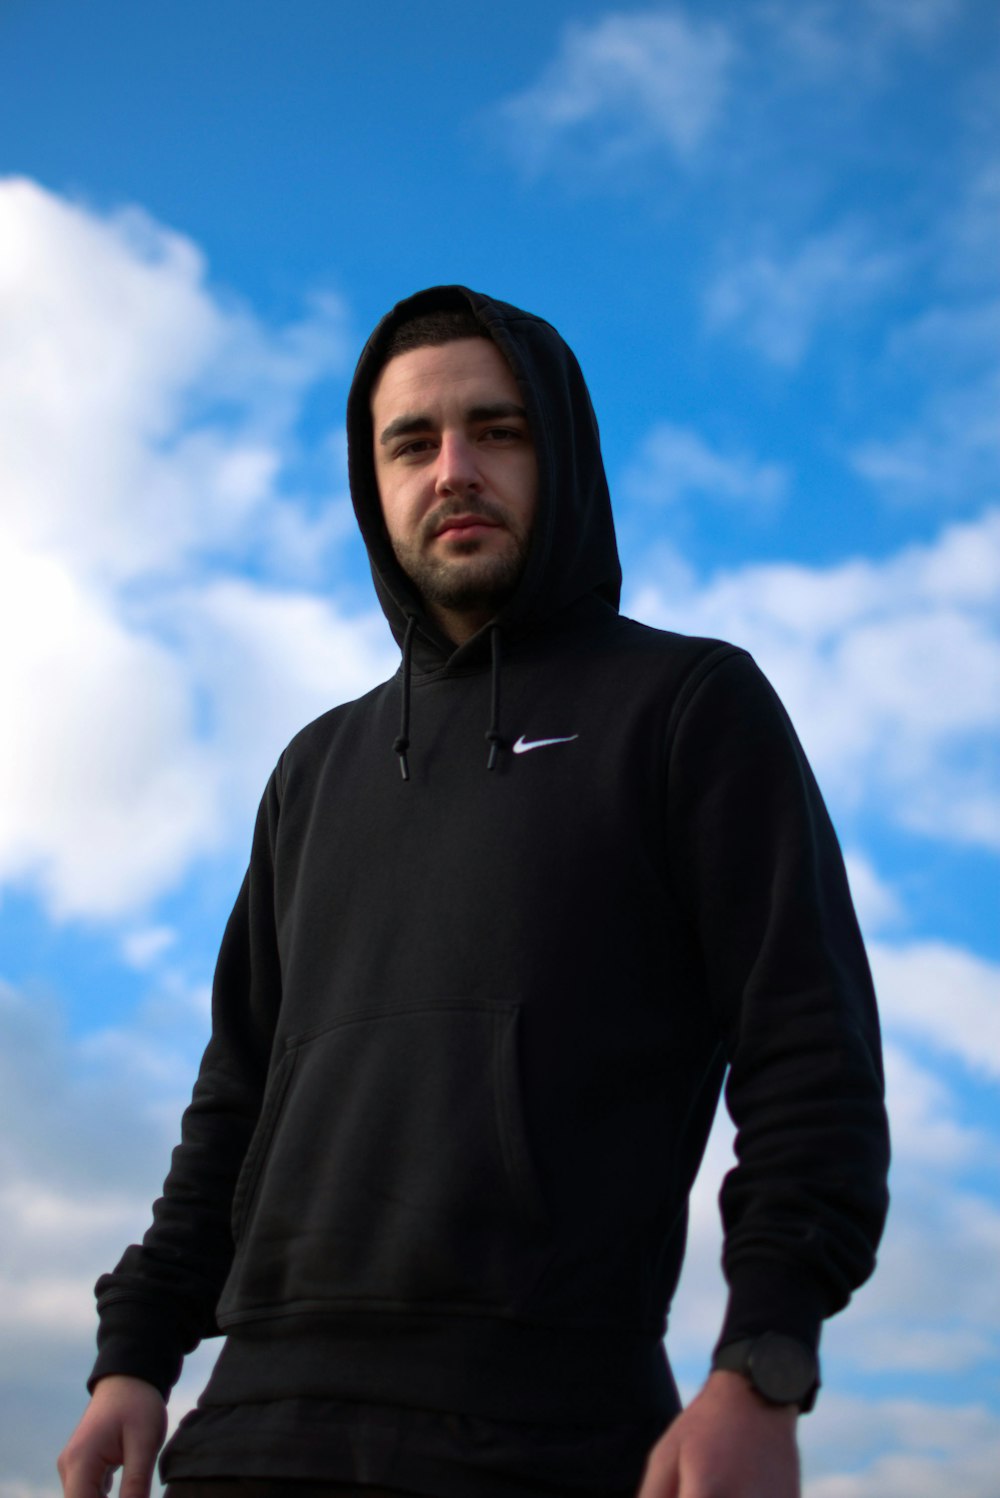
464	372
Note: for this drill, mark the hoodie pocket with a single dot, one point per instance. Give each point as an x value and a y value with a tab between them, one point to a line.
391	1164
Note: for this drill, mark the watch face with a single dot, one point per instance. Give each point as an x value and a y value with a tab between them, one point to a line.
783	1369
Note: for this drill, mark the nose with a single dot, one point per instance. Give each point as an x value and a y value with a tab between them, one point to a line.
457	470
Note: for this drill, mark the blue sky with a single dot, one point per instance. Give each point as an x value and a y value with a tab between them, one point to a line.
770	230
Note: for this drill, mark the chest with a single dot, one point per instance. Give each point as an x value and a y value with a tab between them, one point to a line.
549	869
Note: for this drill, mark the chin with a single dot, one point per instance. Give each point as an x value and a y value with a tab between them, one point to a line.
484	585
471	577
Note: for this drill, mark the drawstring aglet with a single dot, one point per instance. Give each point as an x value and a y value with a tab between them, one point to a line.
401	745
494	740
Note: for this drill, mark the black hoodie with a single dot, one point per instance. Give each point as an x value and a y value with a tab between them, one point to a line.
470	1027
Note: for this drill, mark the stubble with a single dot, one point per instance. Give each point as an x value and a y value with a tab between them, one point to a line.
463	576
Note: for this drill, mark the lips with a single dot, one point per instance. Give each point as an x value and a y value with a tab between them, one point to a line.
457	525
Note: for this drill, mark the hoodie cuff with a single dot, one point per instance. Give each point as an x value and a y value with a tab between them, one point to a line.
766	1295
133	1340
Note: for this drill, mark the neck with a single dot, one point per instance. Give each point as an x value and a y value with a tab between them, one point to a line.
460	626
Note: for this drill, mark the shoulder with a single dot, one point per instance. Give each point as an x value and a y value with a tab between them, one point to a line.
712	691
683	660
631	636
346	724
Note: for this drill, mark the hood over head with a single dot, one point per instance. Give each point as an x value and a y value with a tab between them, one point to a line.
573	550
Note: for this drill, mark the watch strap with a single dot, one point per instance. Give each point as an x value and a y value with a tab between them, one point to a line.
780	1368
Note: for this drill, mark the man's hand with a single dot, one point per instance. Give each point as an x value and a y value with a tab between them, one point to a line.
728	1443
122	1426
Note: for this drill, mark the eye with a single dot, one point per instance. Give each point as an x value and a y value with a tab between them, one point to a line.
503	434
414	448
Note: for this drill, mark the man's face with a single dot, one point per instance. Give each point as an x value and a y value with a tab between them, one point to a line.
457	477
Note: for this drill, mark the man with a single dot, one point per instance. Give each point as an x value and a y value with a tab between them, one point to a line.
472	1016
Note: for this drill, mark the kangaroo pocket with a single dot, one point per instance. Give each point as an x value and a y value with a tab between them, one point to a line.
390	1164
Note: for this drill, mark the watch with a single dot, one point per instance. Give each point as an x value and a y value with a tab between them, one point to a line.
782	1369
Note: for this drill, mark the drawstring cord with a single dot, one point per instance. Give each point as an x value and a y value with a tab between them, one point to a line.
493	732
402	743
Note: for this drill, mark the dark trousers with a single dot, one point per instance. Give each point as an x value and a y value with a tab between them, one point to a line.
275	1487
283	1487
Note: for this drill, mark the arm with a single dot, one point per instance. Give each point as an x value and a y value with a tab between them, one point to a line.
757	865
160	1300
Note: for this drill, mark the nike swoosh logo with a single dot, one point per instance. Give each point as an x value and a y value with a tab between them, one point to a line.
523	745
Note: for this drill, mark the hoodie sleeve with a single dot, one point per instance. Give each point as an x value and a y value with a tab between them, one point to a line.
160	1300
758	865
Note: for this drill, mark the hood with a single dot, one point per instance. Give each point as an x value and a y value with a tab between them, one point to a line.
573	551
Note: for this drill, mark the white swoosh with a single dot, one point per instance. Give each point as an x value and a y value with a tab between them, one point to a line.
523	745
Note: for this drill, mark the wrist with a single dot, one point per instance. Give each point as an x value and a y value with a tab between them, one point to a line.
733	1389
781	1370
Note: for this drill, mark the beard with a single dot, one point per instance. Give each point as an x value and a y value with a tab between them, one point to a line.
470	578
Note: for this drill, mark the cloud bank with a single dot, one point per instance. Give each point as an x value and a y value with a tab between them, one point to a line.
149	425
149	521
890	670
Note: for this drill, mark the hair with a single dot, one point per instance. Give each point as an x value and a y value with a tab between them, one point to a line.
431	329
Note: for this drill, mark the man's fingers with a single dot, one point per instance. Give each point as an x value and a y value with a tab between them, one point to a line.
122	1426
140	1450
85	1476
661	1478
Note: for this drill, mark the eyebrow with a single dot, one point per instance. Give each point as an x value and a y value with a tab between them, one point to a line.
406	425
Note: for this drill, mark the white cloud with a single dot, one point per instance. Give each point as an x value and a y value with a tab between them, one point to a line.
100	742
145	427
696	1316
945	359
776	301
932	1449
267	661
251	662
648	81
969	235
951	450
929	1315
955	335
87	1138
808	34
144	418
878	905
68	1098
142	948
622	84
676	463
890	670
47	1304
922	1107
939	1233
943	995
86	1147
822	38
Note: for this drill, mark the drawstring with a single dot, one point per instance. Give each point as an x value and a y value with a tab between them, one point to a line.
402	743
493	732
